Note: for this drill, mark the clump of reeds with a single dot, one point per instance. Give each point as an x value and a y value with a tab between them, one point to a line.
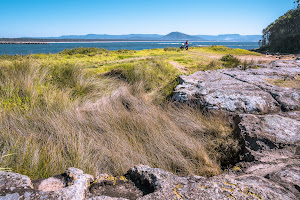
55	117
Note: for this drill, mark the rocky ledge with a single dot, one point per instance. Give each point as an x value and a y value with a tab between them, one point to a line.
255	90
145	183
263	102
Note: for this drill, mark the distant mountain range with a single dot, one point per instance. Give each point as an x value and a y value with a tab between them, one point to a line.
181	36
169	37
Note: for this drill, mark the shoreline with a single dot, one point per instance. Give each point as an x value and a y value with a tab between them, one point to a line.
109	41
24	42
29	47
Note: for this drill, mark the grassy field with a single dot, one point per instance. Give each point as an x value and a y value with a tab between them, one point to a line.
106	111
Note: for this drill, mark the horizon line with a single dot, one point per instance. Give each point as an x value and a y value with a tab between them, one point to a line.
133	34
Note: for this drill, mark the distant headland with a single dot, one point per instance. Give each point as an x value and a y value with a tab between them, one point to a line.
173	36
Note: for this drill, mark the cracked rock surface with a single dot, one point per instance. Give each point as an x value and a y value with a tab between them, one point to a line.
265	104
243	91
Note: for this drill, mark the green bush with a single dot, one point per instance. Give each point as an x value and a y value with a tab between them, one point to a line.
84	51
172	49
151	75
212	65
230	61
65	76
125	51
219	48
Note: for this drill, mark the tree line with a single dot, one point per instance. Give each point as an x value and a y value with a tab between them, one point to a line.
283	35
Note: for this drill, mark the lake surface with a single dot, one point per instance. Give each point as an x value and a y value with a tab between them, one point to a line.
24	49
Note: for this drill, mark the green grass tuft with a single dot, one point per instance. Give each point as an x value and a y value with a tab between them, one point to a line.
230	61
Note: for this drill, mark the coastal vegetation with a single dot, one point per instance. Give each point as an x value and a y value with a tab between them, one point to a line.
283	35
106	111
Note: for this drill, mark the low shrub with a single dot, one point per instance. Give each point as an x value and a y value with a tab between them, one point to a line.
172	49
213	65
124	51
151	74
219	48
84	51
230	61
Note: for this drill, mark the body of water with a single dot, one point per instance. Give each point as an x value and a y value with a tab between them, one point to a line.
24	49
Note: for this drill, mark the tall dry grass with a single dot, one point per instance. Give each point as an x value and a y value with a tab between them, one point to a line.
54	117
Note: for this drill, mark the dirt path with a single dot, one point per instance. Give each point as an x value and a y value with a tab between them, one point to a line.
262	58
129	59
266	58
178	66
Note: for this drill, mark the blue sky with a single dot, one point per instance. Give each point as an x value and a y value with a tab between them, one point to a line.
22	18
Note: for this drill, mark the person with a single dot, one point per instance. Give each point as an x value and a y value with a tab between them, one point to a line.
182	46
187	45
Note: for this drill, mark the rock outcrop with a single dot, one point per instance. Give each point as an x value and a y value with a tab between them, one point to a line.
243	91
227	186
264	104
145	183
70	185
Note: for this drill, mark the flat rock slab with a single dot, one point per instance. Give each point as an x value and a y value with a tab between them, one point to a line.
293	115
217	91
264	78
273	140
242	91
288	177
273	129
